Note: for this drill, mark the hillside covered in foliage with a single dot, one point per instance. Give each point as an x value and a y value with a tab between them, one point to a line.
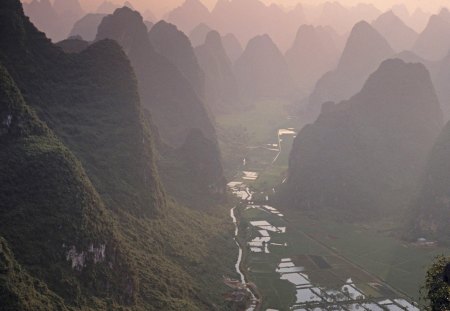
85	220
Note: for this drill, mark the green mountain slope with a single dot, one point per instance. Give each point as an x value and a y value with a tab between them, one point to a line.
83	209
363	157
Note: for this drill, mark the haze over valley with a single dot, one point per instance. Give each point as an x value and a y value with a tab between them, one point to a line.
235	155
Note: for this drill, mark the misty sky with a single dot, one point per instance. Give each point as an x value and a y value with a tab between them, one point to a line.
161	6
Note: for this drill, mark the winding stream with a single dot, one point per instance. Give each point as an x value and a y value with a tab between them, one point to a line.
254	301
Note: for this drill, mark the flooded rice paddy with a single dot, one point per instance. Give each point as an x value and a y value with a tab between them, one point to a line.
293	271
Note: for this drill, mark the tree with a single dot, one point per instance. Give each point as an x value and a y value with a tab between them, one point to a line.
437	285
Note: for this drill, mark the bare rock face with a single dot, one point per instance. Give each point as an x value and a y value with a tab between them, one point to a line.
363	157
262	70
221	89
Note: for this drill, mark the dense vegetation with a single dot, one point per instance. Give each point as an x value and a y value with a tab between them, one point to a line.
363	157
85	219
437	285
171	100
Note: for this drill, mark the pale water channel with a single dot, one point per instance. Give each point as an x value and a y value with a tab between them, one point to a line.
309	296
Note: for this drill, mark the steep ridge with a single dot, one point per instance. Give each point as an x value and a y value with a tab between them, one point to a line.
232	47
73	45
54	18
85	213
167	40
107	7
313	53
429	44
44	16
174	106
441	76
174	113
198	34
342	18
249	18
87	26
363	157
71	243
221	89
364	51
396	32
188	15
261	71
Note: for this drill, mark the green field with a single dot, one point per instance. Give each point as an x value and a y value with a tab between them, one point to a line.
364	253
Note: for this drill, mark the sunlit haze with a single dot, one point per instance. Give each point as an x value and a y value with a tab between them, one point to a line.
224	155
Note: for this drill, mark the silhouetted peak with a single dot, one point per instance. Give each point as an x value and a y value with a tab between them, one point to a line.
361	27
395	69
165	26
304	31
73	6
333	6
388	16
74	44
106	7
232	46
364	41
128	5
126	11
444	13
199	33
197	4
214	39
123	20
436	21
221	4
261	42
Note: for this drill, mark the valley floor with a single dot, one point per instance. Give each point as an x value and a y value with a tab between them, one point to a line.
300	262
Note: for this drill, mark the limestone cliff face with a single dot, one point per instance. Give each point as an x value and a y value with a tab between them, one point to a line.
365	155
